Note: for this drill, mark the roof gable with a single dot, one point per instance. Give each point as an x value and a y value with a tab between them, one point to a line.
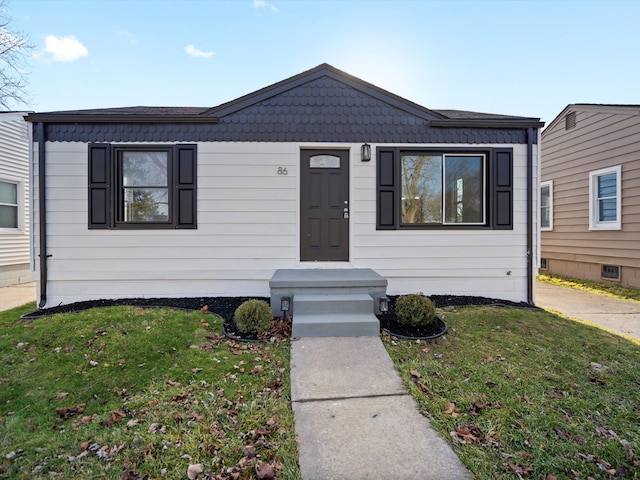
611	109
318	87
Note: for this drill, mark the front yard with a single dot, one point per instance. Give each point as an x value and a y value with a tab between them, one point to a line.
132	393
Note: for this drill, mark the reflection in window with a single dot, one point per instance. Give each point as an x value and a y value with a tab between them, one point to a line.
8	205
607	198
145	186
546	205
445	189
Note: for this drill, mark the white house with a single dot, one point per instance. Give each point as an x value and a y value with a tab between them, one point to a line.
320	171
15	140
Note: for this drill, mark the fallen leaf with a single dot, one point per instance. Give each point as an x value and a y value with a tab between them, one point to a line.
519	470
62	395
194	470
449	408
66	412
554	394
426	350
415	374
265	472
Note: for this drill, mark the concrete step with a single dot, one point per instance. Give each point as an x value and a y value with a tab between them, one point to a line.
335	325
334	315
319	304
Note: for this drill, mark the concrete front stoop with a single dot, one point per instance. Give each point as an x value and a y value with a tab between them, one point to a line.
340	302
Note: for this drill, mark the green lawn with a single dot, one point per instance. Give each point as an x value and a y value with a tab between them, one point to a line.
521	393
128	392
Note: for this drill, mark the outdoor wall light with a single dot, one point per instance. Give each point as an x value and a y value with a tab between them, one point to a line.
383	304
366	152
285	305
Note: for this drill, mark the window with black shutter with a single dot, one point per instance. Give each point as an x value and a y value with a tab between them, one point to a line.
142	186
444	188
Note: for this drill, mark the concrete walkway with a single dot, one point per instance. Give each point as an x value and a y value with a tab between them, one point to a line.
354	419
16	295
622	316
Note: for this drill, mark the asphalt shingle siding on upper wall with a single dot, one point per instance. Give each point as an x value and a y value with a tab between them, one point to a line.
322	110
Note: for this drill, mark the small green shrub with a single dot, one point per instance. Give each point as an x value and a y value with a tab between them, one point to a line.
253	316
415	310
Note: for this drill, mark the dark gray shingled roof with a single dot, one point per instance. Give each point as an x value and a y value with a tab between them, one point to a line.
323	104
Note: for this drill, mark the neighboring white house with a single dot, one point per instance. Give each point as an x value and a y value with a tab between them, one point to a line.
15	140
190	202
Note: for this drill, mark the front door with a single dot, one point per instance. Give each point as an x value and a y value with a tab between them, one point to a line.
324	205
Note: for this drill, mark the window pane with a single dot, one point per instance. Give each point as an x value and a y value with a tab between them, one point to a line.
464	189
607	210
8	193
8	217
545	202
607	202
421	189
146	204
607	185
324	161
144	169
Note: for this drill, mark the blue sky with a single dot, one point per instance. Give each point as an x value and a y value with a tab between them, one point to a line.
528	58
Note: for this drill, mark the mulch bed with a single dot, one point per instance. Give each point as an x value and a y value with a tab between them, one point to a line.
225	307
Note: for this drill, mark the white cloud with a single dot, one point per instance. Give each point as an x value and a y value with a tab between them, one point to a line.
264	4
130	37
194	52
65	49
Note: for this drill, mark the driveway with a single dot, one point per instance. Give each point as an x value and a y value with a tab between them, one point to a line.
621	316
16	295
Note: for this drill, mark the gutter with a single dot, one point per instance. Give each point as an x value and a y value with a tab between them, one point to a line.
530	279
487	123
117	118
41	138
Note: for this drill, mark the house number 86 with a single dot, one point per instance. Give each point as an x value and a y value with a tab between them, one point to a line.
282	171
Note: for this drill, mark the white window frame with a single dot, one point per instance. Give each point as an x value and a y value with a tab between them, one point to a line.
20	193
549	227
594	222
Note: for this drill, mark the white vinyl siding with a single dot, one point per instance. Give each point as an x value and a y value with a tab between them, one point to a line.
248	227
14	171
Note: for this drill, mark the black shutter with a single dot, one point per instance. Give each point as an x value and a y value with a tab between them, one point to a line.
387	184
185	176
503	189
99	178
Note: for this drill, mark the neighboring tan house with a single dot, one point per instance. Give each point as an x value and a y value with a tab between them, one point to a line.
15	140
590	194
321	171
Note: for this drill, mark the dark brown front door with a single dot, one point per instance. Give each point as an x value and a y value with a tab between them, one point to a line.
324	205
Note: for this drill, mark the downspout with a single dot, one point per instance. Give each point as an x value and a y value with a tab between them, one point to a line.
530	279
41	137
